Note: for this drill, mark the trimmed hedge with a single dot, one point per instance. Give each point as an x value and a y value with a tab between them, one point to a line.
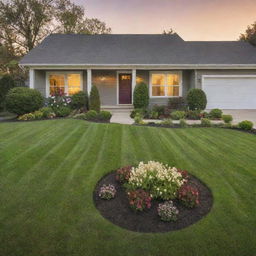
141	96
94	100
196	99
80	100
22	100
245	125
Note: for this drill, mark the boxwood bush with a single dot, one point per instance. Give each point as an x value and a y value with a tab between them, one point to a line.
227	118
22	100
215	113
245	125
62	111
141	96
80	101
196	99
91	115
104	115
94	100
177	115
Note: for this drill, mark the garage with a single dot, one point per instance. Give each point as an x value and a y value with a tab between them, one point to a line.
230	91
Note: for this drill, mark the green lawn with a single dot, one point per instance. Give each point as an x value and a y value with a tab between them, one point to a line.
48	170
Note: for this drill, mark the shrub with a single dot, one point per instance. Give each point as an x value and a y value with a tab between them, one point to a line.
167	211
189	196
104	115
138	118
159	109
245	125
184	174
205	114
91	115
139	199
94	101
177	103
22	100
80	101
107	192
141	96
153	114
137	110
79	116
38	114
227	118
27	117
196	99
160	180
193	114
123	174
215	113
6	83
205	122
57	101
62	111
167	122
177	115
47	112
183	123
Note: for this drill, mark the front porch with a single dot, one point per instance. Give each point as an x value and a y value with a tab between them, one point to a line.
115	86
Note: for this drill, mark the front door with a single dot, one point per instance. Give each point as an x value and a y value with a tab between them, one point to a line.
125	88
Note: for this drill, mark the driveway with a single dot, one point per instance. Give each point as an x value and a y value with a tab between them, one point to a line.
242	114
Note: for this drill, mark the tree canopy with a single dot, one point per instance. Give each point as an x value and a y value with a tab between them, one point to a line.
250	34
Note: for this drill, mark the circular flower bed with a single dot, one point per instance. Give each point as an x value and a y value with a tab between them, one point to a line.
152	197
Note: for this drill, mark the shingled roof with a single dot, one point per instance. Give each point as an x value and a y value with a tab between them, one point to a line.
72	49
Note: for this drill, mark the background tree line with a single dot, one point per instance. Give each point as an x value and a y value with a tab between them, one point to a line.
25	23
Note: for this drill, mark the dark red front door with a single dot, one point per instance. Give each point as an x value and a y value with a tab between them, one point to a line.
125	89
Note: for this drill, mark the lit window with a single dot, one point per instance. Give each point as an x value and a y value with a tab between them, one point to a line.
74	83
66	83
165	84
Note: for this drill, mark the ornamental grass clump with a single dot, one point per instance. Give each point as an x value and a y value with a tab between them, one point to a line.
167	211
139	199
123	174
189	196
107	192
160	180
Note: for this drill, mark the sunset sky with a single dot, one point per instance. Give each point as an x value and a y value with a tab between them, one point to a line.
191	19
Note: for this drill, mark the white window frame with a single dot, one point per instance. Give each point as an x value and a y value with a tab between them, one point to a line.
165	82
65	73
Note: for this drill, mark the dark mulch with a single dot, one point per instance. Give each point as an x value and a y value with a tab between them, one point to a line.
117	210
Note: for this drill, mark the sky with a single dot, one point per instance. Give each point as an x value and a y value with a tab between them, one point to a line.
191	19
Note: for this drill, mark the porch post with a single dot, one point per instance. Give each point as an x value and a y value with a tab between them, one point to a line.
89	81
31	78
133	81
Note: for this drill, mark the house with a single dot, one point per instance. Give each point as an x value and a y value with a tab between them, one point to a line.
170	66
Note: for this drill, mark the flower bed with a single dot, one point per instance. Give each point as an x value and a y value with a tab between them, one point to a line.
153	197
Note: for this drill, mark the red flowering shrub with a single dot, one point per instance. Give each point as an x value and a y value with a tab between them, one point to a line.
139	199
123	174
189	196
183	173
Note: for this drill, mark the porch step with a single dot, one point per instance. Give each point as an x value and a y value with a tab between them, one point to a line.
118	109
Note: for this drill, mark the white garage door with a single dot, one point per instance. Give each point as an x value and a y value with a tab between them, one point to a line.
230	92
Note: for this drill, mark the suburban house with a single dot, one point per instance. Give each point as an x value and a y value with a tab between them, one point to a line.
170	66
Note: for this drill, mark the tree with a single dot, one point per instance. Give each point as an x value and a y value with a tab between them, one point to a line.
170	31
94	100
249	35
140	96
72	20
24	23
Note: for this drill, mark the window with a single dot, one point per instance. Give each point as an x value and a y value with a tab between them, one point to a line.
165	84
66	82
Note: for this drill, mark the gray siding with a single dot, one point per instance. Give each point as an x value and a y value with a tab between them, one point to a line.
105	81
40	81
200	73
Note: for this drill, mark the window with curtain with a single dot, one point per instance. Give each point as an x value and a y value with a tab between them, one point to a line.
165	84
67	83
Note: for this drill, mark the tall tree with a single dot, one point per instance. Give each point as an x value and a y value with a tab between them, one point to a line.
249	35
169	31
72	19
24	23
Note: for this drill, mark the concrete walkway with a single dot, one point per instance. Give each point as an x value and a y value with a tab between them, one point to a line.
121	116
241	115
